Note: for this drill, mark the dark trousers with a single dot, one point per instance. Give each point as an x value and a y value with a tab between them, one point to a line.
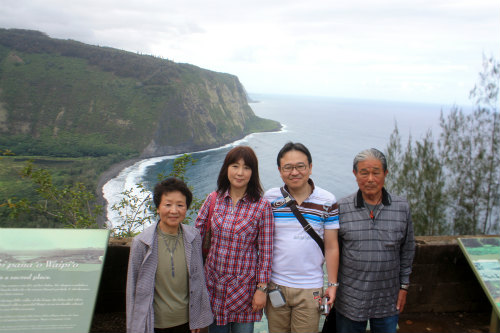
377	325
176	329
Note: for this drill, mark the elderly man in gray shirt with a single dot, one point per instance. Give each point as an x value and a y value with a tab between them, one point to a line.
377	249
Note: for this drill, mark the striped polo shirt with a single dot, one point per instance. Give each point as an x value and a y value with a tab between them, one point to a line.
297	258
376	256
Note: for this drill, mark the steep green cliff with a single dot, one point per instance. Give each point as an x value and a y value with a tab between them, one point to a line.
66	98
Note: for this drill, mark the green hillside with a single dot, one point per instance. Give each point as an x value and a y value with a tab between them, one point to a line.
65	98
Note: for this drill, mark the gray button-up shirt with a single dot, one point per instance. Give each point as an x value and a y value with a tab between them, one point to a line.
376	256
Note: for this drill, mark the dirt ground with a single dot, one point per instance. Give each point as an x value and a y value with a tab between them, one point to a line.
460	322
444	322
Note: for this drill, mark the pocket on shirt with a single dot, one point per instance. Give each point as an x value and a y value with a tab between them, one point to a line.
246	228
217	223
392	246
391	252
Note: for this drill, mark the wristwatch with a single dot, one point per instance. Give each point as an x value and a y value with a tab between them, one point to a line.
331	284
263	289
404	287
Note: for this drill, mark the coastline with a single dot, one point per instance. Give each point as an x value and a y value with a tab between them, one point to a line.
105	177
115	169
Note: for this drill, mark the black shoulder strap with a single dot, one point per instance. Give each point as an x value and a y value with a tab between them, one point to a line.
307	227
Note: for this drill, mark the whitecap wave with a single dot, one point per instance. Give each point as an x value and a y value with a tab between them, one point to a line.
126	180
129	177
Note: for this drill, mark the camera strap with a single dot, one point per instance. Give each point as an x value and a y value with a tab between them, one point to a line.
307	227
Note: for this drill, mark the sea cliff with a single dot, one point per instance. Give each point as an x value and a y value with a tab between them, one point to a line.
66	98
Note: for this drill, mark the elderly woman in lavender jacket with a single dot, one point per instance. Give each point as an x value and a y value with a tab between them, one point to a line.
166	290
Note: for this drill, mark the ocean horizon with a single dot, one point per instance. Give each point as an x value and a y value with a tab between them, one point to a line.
333	129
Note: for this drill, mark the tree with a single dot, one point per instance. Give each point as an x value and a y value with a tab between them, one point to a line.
428	192
71	205
471	154
136	208
394	155
454	184
416	174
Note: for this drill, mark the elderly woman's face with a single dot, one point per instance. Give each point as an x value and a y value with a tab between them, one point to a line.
172	211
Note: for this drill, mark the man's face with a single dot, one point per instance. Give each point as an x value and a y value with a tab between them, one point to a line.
370	177
295	170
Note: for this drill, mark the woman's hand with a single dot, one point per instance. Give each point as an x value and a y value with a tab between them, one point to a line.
259	300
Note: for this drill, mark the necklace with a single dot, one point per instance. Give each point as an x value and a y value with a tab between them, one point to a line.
372	215
173	249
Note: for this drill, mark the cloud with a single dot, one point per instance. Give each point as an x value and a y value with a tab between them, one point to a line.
400	49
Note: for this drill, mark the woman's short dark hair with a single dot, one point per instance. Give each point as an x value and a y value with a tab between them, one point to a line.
168	185
293	146
254	188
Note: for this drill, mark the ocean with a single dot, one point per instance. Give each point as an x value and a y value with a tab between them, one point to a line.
333	129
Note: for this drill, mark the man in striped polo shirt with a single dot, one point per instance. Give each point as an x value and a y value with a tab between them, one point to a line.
377	249
297	269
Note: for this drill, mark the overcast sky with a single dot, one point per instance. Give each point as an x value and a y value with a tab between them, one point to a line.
413	50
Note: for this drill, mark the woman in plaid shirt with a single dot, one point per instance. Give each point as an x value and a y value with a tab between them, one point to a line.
238	266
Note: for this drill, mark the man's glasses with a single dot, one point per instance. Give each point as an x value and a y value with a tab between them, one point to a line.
289	167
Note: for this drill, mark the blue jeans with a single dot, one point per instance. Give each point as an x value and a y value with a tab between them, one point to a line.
231	328
377	325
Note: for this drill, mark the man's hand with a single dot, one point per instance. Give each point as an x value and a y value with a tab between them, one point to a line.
331	292
401	300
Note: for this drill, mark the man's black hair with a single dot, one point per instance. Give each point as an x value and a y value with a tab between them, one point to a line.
293	146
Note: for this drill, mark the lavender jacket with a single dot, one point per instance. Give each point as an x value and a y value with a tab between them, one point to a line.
142	266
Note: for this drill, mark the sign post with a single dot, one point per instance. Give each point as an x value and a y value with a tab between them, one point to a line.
483	255
49	278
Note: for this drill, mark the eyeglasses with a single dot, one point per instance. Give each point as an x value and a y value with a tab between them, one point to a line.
289	168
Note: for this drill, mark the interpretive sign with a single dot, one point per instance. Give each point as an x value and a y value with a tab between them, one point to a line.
483	255
49	278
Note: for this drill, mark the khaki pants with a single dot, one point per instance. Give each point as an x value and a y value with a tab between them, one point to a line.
300	314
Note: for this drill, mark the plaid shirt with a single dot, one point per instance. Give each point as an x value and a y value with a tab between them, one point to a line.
240	255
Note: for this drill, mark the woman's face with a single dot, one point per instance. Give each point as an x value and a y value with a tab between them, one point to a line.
172	211
239	174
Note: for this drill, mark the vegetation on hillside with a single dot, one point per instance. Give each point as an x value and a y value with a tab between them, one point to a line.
21	194
453	182
66	144
96	100
51	205
71	206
